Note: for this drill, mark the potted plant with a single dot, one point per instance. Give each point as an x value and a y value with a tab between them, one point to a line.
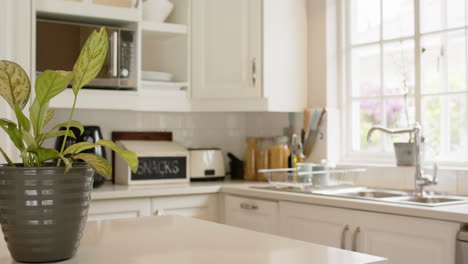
44	200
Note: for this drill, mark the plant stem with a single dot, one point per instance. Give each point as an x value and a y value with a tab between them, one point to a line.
68	128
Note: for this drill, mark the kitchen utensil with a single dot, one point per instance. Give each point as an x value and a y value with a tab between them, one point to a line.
237	167
157	10
90	134
306	119
206	163
314	131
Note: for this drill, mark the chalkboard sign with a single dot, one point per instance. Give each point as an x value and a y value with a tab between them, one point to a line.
161	168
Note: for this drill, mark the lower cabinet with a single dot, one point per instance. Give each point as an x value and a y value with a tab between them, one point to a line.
118	208
254	214
199	206
203	206
401	239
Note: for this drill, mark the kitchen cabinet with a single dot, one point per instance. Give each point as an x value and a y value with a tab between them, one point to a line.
401	239
92	10
249	55
249	213
118	208
198	206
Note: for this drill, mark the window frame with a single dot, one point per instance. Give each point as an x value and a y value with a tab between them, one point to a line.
347	99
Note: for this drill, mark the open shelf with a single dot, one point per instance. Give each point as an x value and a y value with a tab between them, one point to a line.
163	30
156	85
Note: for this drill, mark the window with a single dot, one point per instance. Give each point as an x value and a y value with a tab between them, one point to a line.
406	61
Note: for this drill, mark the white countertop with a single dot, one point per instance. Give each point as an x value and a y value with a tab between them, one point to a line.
454	213
176	239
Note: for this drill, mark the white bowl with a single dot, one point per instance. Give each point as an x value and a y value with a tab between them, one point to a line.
157	10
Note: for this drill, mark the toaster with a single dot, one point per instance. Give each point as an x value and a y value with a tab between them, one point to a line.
206	163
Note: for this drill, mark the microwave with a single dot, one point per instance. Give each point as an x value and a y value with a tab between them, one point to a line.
58	45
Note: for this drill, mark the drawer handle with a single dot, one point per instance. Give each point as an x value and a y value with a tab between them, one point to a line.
254	72
355	235
343	236
159	212
248	206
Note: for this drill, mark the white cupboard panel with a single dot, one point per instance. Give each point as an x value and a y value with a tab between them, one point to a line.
199	206
253	214
118	209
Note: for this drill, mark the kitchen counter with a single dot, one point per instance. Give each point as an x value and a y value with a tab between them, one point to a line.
176	239
454	213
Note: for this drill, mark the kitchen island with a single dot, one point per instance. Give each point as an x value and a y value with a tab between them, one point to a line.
176	239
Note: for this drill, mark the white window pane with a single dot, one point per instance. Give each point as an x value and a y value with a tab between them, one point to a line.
442	14
455	53
365	71
365	21
457	135
431	109
430	15
398	18
431	64
443	62
398	68
455	13
367	113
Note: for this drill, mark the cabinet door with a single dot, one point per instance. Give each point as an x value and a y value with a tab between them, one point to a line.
118	208
404	239
317	224
253	214
199	206
226	49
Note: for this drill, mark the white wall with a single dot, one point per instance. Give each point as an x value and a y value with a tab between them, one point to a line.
227	131
15	45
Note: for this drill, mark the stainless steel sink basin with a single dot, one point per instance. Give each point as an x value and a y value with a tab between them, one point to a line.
372	194
381	195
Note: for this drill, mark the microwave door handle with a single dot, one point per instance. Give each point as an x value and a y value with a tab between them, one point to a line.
114	54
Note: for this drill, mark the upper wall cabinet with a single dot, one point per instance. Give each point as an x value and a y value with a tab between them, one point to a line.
92	10
249	55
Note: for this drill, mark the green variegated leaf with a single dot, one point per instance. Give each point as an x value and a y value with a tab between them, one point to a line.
14	135
45	154
79	147
15	86
48	85
53	134
49	115
91	59
22	119
99	164
29	139
129	156
73	123
5	156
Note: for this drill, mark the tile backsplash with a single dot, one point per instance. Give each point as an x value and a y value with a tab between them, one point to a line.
227	131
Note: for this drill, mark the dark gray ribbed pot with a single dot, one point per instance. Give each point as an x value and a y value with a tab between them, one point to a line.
43	211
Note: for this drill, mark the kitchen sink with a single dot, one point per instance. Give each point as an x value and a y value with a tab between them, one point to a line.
382	195
432	200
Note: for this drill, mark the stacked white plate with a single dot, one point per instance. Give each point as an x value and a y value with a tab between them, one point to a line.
156	76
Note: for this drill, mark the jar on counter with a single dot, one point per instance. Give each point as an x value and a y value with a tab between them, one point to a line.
262	159
250	172
279	153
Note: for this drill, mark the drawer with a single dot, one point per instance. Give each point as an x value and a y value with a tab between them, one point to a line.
202	206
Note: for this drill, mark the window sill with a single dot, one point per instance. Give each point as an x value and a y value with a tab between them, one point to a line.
391	164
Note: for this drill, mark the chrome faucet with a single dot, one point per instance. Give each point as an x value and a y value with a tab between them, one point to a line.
420	180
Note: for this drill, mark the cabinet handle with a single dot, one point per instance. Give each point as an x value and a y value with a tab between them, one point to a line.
114	53
254	72
159	212
355	235
343	236
248	206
